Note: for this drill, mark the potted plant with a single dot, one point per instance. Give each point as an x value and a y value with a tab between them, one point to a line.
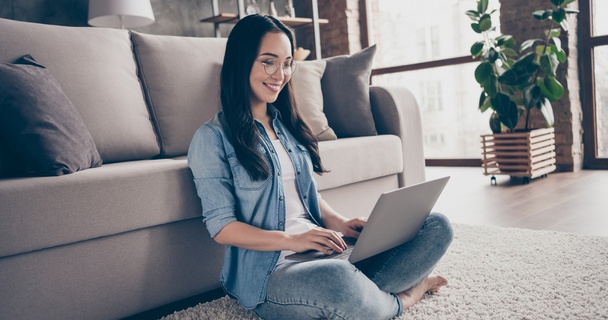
515	83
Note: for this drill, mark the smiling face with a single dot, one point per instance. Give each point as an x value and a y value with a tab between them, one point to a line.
274	47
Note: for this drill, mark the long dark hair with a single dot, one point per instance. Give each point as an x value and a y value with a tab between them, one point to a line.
241	52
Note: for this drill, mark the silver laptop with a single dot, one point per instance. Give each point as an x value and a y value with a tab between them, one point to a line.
396	219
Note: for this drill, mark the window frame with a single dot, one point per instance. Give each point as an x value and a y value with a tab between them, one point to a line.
587	43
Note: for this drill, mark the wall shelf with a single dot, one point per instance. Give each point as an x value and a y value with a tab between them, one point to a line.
232	18
288	21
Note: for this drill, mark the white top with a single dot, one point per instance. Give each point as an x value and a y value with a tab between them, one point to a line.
297	219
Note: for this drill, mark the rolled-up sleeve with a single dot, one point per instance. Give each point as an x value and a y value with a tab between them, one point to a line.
213	178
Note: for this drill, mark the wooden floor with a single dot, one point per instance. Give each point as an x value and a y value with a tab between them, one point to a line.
569	202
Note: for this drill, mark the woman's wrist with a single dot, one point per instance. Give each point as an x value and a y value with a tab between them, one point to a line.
338	223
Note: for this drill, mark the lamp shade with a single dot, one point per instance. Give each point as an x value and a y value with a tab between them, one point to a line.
120	13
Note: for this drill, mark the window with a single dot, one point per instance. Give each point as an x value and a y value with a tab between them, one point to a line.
427	43
600	73
431	95
594	85
424	46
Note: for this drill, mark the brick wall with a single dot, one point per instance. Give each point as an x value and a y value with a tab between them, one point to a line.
342	35
516	19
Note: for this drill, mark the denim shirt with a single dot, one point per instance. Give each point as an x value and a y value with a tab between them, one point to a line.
228	194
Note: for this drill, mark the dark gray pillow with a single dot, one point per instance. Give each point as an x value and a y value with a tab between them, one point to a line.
10	164
39	124
345	85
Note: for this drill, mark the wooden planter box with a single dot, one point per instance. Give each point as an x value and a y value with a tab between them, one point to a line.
526	154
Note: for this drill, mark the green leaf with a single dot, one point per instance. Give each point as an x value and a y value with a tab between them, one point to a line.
558	15
477	48
540	50
492	55
482	6
550	88
547	111
571	11
532	67
475	27
553	33
532	95
528	44
485	23
561	54
558	43
484	102
509	52
542	14
521	65
491	85
509	63
506	41
506	110
495	123
554	87
486	105
521	71
557	2
473	15
564	24
549	63
502	56
557	49
483	72
510	78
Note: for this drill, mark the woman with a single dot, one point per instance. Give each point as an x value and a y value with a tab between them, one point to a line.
253	167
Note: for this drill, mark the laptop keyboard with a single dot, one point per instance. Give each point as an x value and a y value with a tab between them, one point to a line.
316	255
342	255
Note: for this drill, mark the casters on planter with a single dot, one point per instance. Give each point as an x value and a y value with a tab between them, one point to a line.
493	180
526	180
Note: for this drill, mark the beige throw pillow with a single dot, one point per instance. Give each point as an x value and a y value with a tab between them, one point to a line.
309	97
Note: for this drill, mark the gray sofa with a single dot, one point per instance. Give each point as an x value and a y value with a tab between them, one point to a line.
126	237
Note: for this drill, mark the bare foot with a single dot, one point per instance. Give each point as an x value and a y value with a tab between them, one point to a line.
430	284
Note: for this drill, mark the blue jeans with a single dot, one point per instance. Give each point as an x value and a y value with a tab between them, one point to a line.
337	289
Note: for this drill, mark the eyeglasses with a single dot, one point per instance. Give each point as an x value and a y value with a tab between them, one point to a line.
272	65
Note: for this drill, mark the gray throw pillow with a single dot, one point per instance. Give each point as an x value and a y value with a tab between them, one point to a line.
181	81
345	85
10	164
39	124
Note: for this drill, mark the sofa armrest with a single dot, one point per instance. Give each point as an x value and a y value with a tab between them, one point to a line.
396	111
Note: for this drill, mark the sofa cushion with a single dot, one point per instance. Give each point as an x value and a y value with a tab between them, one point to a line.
345	86
309	97
44	212
181	78
352	160
40	124
96	69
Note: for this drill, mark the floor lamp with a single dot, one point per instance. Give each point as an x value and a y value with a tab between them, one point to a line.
120	13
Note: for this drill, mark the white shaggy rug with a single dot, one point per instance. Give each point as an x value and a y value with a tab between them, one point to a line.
497	273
